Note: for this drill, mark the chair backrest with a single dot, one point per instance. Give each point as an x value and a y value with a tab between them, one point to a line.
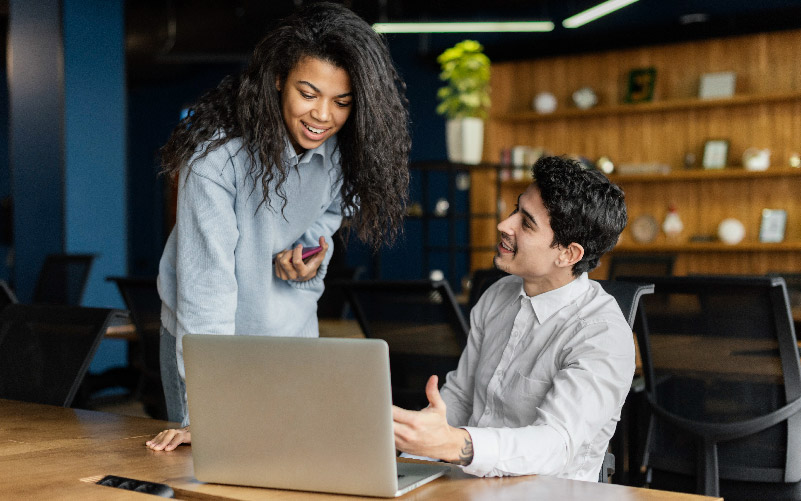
421	322
481	280
627	295
640	265
62	279
141	297
7	295
45	350
723	380
793	281
333	303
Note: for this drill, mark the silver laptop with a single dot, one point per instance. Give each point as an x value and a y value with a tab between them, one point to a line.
296	413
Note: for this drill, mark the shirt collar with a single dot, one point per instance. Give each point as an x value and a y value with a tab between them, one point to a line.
307	156
548	303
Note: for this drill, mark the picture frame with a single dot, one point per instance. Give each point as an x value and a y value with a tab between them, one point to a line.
774	222
716	153
641	83
718	85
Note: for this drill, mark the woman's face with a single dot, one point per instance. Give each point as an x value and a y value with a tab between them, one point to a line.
316	101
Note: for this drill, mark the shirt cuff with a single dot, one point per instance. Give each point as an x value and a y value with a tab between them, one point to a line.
315	281
485	451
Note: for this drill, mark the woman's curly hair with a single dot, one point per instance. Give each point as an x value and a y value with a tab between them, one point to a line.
374	142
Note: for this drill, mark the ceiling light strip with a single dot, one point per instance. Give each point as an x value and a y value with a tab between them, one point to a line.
466	27
594	13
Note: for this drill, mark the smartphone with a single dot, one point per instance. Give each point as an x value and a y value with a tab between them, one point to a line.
308	252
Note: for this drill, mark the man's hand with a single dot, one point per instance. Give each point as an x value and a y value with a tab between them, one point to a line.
168	440
427	432
290	266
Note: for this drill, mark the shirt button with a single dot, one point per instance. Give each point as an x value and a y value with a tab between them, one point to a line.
499	373
486	412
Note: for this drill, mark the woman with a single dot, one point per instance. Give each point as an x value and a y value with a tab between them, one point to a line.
268	163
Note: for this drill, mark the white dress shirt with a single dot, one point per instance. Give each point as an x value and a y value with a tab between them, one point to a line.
540	385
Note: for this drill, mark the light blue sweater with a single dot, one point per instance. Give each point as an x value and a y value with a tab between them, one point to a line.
216	275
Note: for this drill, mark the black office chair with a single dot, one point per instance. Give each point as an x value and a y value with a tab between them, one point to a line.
793	281
723	383
628	296
7	295
422	324
481	280
45	350
142	299
641	265
62	279
333	302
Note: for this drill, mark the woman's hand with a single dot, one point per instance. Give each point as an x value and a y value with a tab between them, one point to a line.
168	440
290	266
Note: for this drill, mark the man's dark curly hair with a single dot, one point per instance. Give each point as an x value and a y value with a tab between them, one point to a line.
584	207
374	142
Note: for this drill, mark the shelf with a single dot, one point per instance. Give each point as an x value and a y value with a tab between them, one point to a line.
698	174
656	106
688	175
709	247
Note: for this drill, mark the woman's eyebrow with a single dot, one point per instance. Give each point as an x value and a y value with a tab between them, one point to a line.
315	89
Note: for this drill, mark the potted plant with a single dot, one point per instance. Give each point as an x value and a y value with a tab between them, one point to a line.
465	99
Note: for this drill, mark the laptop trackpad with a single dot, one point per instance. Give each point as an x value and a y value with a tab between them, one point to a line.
410	475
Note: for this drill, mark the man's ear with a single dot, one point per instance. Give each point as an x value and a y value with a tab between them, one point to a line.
571	255
278	84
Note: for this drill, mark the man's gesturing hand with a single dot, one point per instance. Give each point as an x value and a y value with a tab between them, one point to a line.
427	433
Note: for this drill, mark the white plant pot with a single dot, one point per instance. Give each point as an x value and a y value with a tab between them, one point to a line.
464	140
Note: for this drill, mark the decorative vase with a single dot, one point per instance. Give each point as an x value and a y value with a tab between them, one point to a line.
672	226
464	140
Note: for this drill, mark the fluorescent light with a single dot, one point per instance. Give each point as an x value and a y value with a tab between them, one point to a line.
594	13
454	27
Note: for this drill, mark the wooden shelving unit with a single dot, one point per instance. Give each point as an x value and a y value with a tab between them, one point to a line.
679	247
764	113
652	107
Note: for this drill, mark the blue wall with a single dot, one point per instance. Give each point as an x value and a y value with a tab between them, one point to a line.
36	136
67	143
95	141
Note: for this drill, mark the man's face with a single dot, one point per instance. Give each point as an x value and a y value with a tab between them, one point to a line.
316	101
526	236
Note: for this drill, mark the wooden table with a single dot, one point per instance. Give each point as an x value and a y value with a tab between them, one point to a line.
55	453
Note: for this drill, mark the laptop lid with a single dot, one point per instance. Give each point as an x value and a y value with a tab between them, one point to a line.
294	413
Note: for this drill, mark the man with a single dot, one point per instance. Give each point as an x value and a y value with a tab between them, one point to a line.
550	357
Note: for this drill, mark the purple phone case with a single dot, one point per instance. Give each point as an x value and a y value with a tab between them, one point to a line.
309	251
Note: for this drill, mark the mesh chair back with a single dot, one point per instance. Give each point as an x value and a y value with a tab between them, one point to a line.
635	265
142	299
421	322
62	279
721	362
45	350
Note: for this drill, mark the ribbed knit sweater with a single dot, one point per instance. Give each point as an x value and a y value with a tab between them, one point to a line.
216	275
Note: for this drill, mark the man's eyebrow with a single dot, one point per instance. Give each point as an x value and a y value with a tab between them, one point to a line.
315	89
526	214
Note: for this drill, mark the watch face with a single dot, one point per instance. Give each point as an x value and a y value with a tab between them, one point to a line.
644	229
